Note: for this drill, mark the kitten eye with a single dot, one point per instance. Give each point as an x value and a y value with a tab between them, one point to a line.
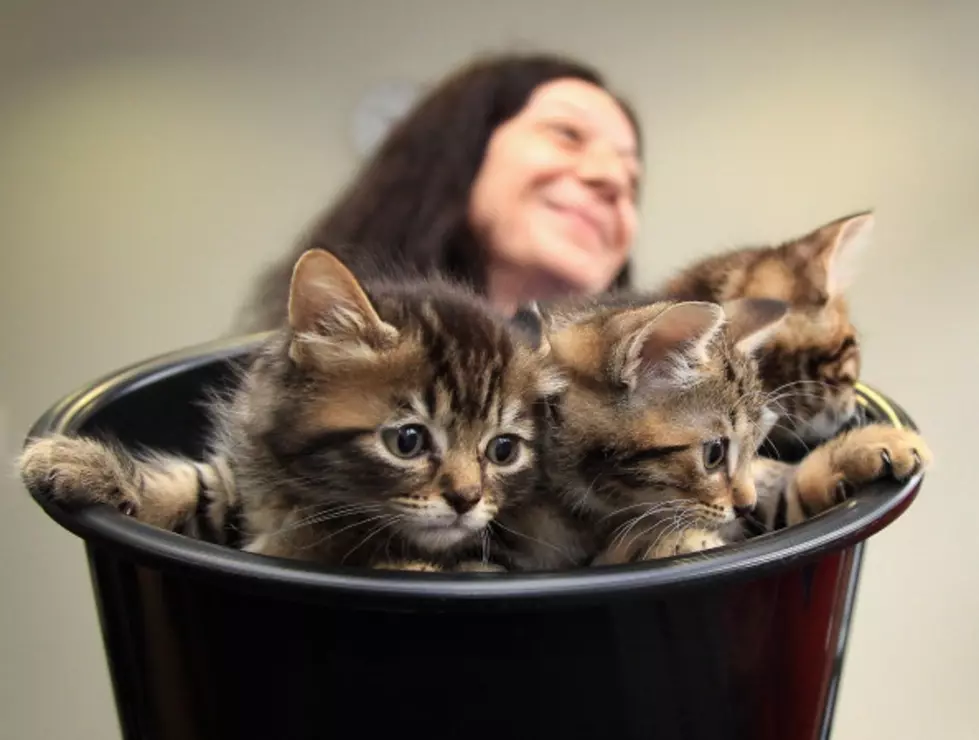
715	453
502	450
407	441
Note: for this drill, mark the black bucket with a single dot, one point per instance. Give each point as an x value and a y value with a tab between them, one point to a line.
207	643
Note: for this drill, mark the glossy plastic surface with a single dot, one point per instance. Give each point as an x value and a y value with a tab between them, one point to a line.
204	642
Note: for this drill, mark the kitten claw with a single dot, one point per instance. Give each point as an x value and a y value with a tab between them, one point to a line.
837	470
917	463
888	463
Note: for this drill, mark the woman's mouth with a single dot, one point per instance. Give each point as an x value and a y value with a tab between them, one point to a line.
583	221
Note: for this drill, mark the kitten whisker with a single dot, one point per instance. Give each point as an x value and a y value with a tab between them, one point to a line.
331	535
652	510
326	516
580	503
673	525
559	550
679	515
799	438
642	504
389	521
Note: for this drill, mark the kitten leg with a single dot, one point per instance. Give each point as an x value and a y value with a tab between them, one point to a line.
161	490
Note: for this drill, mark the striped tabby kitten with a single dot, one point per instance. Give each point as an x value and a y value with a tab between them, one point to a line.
654	446
382	428
813	359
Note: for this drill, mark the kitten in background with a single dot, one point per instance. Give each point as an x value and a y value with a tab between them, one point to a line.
812	362
386	426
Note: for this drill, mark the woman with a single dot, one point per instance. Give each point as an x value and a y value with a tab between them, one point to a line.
517	175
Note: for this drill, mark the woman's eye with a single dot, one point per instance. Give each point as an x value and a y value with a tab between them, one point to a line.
568	133
407	441
502	450
715	453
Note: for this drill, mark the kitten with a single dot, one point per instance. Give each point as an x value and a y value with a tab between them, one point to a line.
812	362
654	445
387	426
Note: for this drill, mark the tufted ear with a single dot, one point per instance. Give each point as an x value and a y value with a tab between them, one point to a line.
834	251
657	347
752	322
328	308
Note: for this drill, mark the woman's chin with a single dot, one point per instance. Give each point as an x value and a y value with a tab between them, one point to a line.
560	282
572	266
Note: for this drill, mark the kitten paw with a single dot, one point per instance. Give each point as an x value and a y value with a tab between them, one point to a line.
76	472
685	542
834	472
415	565
477	566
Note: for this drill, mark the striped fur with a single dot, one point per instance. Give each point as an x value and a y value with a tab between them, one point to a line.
613	403
309	460
813	362
655	387
628	455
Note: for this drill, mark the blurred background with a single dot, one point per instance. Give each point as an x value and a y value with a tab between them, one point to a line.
153	159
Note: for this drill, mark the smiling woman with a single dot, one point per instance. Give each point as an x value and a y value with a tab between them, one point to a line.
516	175
555	198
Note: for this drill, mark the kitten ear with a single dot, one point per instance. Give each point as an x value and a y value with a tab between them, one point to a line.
753	321
327	302
530	324
838	247
665	348
531	328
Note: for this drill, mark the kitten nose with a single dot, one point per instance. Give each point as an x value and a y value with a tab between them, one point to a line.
744	510
462	500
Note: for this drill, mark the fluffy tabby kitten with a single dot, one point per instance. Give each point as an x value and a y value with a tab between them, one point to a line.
384	427
653	451
813	359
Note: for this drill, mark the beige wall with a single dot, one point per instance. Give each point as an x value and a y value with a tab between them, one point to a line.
151	160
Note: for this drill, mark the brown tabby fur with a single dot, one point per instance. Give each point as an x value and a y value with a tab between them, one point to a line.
617	406
299	463
651	384
813	361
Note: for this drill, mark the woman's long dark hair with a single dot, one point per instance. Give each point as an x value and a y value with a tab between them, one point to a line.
407	209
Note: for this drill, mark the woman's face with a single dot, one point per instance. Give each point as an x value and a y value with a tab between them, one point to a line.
555	198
